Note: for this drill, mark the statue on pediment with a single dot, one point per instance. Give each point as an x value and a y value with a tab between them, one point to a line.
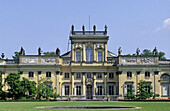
39	51
94	28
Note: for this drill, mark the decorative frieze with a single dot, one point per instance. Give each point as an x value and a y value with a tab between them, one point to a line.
147	60
51	60
129	60
30	60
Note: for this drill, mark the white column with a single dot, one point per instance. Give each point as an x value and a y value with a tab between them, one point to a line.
75	91
63	90
114	89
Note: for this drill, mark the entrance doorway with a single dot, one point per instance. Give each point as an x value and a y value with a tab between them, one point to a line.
89	92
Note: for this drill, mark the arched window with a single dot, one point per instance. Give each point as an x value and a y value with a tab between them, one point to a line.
165	77
89	54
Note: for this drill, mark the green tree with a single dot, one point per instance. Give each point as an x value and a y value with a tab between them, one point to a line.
44	89
144	91
49	53
15	90
146	52
28	87
130	93
16	56
161	56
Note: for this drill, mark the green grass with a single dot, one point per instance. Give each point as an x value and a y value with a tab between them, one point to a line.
28	106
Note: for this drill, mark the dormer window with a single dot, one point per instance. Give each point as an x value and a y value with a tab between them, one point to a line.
89	54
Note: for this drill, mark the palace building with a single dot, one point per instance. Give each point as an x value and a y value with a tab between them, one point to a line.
90	71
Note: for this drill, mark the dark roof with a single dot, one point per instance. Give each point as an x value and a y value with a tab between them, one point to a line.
67	54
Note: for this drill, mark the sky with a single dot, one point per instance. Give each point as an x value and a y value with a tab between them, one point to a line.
132	24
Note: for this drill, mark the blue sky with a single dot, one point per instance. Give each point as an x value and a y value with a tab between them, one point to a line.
47	23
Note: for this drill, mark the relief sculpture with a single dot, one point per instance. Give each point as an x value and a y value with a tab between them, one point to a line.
129	60
30	60
145	60
49	60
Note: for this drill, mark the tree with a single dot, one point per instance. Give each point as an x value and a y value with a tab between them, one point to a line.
29	87
44	89
16	56
130	93
146	52
161	56
144	91
15	90
49	53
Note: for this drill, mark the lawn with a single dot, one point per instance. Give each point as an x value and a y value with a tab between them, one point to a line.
28	106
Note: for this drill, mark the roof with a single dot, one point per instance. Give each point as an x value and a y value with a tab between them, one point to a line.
110	54
67	54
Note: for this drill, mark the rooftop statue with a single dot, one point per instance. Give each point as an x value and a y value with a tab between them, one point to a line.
120	51
39	51
137	51
155	52
94	28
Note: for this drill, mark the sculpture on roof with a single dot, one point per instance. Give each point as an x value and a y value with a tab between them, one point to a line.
155	51
58	51
94	28
137	51
83	28
22	51
120	51
39	51
3	55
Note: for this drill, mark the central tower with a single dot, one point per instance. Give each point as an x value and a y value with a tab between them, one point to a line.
88	46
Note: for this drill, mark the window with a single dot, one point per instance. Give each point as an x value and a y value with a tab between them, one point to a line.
111	90
89	54
66	75
66	90
99	75
147	74
111	75
100	56
78	90
148	88
88	75
78	75
78	56
48	84
99	90
31	74
48	74
129	88
129	74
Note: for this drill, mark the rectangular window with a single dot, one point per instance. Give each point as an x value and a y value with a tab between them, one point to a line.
99	90
99	75
78	56
66	75
66	90
78	75
129	74
148	88
48	74
31	74
111	90
100	56
78	90
88	75
111	75
147	74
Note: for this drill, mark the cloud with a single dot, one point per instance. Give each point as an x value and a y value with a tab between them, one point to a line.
166	24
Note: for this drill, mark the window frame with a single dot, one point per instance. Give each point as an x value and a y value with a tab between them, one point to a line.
100	57
89	54
147	74
78	90
30	74
48	74
78	56
129	74
78	75
99	90
88	75
67	90
111	75
66	75
99	75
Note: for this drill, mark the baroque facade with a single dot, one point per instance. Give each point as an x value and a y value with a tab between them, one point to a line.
90	70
